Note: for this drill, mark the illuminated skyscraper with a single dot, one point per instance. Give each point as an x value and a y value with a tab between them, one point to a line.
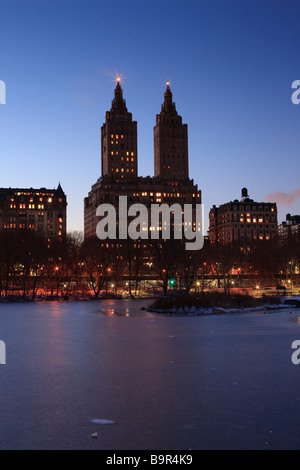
119	139
170	142
170	184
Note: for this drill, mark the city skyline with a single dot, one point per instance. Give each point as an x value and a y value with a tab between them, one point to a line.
230	66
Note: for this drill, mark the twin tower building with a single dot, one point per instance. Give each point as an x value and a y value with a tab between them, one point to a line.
119	162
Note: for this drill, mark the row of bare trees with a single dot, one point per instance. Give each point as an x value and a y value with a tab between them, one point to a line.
29	265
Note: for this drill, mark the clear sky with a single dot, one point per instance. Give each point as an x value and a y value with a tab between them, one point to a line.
230	63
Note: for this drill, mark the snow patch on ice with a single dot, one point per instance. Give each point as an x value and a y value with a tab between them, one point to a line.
102	421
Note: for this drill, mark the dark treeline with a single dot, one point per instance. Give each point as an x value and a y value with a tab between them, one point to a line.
30	266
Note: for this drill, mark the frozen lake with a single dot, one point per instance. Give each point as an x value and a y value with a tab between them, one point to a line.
168	383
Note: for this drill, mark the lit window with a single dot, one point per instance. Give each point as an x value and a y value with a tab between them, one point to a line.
50	199
112	136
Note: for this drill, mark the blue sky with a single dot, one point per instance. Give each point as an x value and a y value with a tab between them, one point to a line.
230	63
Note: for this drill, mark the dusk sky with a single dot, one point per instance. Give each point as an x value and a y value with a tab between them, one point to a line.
231	64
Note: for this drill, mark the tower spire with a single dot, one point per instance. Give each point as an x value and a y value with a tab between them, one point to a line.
168	105
118	103
118	91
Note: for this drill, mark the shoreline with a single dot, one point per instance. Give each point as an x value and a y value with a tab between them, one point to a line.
223	311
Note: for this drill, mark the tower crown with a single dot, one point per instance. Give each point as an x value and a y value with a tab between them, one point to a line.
168	106
118	103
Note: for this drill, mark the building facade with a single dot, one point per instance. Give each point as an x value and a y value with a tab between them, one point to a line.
42	210
289	227
242	222
171	183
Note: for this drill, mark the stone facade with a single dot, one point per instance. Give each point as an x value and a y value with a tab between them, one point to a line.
242	221
42	210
